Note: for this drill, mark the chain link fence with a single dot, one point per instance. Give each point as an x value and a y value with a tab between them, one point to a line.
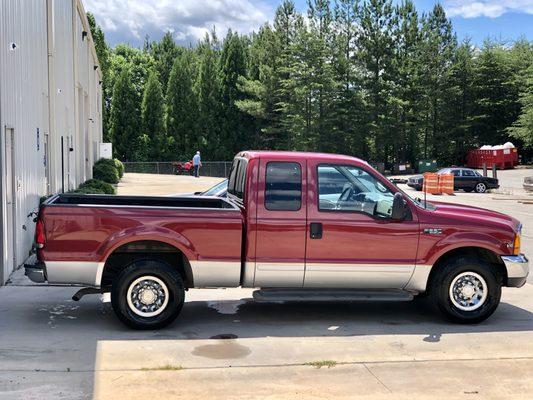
218	169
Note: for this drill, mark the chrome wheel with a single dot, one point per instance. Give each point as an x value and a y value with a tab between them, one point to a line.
481	188
468	291
147	296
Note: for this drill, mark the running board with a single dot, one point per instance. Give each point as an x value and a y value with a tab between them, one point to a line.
331	295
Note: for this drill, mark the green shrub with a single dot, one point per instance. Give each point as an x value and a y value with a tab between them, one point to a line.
119	166
98	185
88	190
105	172
106	161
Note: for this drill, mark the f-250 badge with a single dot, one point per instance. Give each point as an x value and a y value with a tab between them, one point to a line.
433	231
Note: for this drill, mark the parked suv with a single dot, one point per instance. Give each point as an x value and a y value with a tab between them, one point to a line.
463	178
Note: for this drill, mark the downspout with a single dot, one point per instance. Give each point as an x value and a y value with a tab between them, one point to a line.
51	161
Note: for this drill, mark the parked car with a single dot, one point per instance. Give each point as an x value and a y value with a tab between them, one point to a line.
463	178
297	226
528	183
219	190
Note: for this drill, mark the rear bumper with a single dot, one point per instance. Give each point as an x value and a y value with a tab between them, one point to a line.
35	270
517	269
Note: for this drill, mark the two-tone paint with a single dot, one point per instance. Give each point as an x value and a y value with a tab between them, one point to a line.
248	245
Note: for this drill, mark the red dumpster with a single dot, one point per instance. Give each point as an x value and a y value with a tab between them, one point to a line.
503	156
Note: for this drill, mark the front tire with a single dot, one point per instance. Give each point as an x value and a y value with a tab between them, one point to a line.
147	294
480	187
466	290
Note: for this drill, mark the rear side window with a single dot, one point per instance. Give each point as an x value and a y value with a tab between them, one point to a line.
283	186
237	178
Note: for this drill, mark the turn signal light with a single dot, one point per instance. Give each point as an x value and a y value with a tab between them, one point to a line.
40	238
516	244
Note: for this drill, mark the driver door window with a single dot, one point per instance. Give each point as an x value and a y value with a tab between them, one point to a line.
348	188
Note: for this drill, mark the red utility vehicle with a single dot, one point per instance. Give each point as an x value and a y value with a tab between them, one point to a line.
183	167
299	226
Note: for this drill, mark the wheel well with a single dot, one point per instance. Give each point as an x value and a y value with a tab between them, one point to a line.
477	252
127	253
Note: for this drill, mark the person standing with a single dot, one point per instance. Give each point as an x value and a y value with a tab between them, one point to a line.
197	163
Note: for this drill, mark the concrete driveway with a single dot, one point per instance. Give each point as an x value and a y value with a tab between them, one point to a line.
226	346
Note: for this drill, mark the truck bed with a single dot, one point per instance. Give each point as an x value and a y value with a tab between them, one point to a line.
139	201
82	231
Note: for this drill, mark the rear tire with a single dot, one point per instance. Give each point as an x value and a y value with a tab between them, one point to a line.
466	290
147	294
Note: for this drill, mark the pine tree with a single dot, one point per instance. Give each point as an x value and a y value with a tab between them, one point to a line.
495	97
164	53
287	24
324	134
124	118
182	108
236	125
522	129
376	45
348	106
152	113
406	90
209	101
437	48
459	106
260	87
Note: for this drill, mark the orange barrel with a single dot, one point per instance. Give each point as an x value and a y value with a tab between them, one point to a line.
446	183
431	183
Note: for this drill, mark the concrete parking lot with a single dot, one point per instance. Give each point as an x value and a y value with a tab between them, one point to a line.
226	346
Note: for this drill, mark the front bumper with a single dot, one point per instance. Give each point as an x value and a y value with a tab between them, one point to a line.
517	269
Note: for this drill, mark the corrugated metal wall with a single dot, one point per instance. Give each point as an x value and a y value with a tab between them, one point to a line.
49	89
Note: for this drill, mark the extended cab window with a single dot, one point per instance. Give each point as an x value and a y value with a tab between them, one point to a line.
283	186
237	178
348	188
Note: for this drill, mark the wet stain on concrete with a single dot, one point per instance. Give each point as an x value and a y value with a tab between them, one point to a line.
224	336
433	338
225	349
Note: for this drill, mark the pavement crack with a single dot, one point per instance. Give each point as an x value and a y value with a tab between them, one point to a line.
377	378
296	364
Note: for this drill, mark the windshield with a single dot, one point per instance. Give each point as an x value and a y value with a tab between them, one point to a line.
215	190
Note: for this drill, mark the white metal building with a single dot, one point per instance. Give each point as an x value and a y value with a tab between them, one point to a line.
50	112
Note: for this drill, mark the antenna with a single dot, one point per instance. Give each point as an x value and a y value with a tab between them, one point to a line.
425	194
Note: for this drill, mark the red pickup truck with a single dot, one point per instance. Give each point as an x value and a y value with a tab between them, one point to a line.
297	226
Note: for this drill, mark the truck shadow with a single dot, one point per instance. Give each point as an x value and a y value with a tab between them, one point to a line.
249	319
246	318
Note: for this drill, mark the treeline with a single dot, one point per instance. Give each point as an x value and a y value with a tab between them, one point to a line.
365	78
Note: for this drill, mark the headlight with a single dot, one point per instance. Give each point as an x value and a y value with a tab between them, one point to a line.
516	242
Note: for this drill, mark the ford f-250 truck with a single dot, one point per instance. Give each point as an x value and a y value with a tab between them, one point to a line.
297	226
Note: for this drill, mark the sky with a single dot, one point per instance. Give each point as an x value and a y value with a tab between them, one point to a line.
129	21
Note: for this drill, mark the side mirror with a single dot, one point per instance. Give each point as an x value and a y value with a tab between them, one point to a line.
399	207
